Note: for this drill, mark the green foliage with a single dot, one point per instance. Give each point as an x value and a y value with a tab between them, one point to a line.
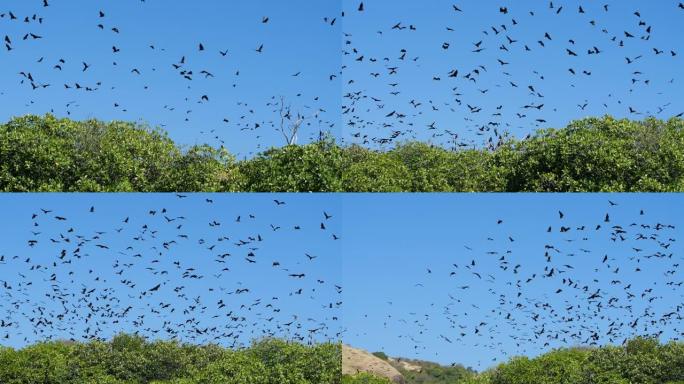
313	167
50	154
364	378
482	378
601	155
370	171
594	154
130	359
289	363
639	361
435	169
557	367
381	355
435	374
235	368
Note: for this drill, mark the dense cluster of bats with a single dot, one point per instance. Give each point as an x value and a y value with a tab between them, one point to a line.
584	283
219	279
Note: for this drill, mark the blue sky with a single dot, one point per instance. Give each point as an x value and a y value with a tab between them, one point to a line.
401	308
400	278
122	274
296	39
352	56
373	47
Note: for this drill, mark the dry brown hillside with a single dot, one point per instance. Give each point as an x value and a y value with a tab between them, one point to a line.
357	360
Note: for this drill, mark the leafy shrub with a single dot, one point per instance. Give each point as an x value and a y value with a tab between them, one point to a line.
50	154
313	167
370	171
593	154
639	361
381	355
601	155
435	373
130	359
364	378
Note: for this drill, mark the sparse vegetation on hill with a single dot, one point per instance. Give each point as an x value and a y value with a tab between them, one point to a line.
128	359
639	361
424	372
595	154
365	378
364	366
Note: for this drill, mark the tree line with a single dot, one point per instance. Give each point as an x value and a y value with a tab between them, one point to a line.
638	361
44	153
131	359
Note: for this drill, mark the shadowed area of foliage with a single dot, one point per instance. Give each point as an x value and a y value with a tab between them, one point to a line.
639	361
129	359
594	154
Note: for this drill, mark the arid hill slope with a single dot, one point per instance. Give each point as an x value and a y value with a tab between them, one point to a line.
357	360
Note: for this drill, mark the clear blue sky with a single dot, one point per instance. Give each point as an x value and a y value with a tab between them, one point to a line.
296	39
372	47
399	307
273	299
